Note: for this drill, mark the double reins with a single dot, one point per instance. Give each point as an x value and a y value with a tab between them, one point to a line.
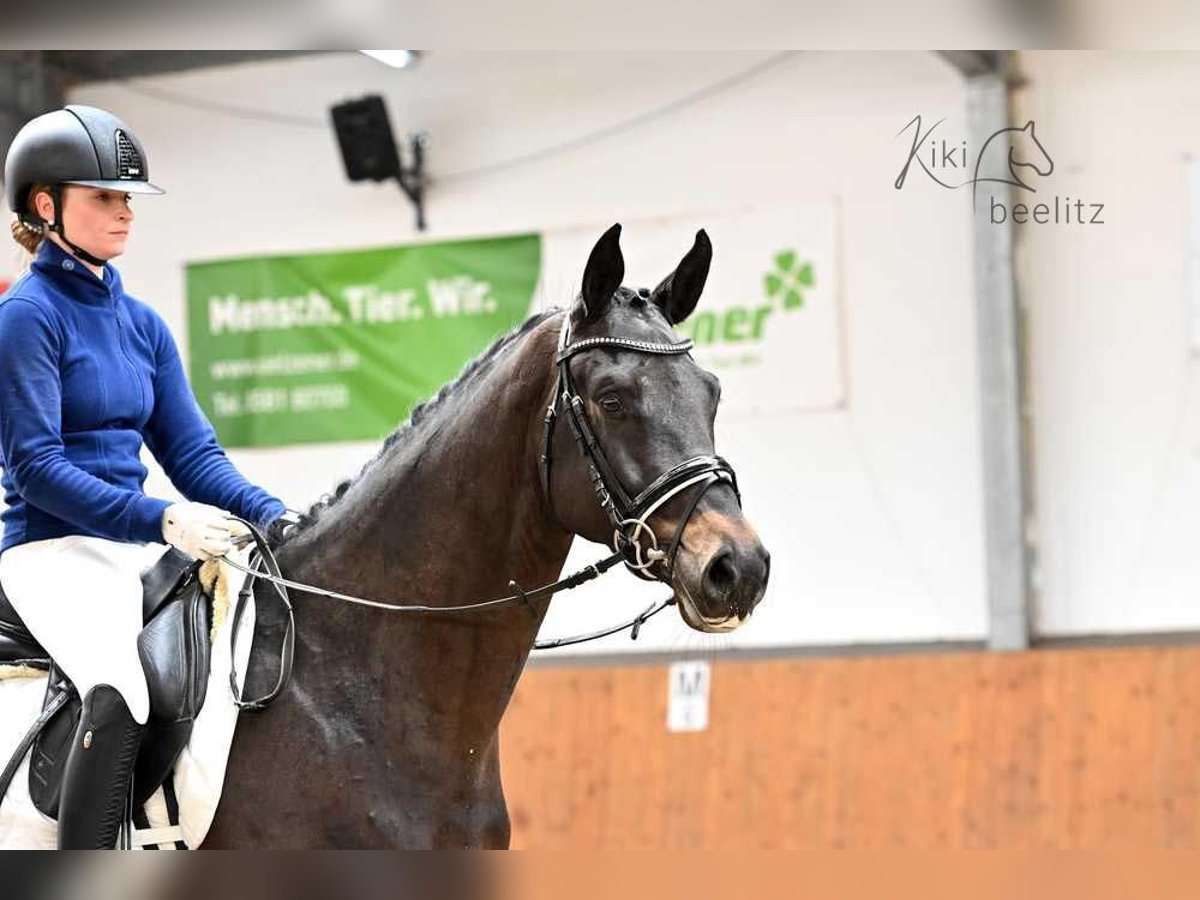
263	565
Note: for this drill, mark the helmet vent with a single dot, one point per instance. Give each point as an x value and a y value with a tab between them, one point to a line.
129	161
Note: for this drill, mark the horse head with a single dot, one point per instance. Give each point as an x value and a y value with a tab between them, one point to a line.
650	410
1025	150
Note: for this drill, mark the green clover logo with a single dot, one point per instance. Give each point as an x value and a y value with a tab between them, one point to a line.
787	280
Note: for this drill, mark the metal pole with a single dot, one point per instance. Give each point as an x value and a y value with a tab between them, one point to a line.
1000	369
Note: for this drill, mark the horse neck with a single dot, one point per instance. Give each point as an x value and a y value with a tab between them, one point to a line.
474	489
445	517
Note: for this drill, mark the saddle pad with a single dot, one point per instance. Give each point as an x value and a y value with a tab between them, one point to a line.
199	774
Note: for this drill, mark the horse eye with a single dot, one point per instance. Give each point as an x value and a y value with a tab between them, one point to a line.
610	404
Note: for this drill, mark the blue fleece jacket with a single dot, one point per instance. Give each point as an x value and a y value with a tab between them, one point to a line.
87	373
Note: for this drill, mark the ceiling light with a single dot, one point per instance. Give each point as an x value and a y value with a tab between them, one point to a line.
397	59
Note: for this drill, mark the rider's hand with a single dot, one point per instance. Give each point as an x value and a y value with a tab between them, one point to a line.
197	529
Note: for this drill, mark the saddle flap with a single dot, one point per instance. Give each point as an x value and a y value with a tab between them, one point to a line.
175	652
162	580
48	755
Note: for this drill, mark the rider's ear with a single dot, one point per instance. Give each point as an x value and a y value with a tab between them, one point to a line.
603	274
679	292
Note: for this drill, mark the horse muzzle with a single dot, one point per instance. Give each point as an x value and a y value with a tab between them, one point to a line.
719	584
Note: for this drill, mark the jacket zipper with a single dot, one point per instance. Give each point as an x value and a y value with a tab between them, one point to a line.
121	339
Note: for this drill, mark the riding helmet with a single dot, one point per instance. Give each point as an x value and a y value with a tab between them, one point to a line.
74	145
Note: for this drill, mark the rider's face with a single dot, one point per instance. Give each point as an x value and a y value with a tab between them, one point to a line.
96	219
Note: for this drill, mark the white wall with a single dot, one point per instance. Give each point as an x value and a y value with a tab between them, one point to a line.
873	515
1113	380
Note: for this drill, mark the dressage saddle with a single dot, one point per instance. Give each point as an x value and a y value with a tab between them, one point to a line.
175	652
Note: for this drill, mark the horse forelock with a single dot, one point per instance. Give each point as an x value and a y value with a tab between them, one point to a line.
630	307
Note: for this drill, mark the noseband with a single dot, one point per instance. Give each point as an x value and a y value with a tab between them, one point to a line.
627	513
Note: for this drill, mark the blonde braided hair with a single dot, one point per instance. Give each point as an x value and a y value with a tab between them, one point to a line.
29	236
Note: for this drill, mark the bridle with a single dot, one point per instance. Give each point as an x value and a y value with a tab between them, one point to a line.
628	515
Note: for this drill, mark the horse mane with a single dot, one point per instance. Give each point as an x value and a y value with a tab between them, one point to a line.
420	414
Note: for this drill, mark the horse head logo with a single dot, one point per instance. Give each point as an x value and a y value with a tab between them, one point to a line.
1026	157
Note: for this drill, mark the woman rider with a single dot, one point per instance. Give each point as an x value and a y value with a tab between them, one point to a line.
87	374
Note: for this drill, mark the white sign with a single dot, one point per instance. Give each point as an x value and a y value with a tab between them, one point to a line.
768	324
687	696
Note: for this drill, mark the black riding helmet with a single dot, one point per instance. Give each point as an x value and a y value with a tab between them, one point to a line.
74	145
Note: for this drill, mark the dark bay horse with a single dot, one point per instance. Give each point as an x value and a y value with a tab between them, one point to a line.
387	735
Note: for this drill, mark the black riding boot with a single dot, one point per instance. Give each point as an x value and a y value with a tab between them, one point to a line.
95	785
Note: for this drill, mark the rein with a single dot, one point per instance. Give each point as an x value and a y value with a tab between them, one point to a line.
627	514
262	565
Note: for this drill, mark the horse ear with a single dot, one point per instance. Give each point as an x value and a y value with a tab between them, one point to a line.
603	274
679	292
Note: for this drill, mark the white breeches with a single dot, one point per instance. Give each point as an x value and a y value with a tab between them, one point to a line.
81	597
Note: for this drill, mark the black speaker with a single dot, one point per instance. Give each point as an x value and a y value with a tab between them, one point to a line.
365	136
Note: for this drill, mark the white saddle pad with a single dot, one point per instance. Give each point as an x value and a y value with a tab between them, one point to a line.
199	773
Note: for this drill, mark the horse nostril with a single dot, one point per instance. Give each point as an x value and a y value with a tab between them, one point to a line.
721	574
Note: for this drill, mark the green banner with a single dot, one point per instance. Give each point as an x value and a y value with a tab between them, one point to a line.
341	346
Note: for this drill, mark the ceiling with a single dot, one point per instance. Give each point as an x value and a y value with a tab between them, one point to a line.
105	65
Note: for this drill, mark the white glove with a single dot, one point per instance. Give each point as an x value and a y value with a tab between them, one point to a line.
197	529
